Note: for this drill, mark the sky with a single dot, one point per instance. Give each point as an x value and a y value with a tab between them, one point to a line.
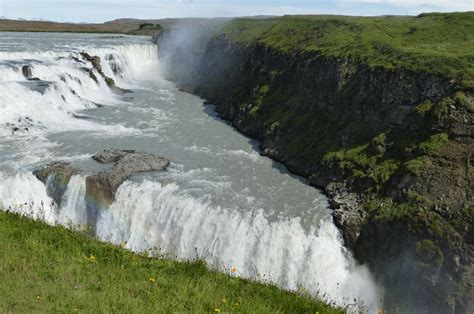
105	10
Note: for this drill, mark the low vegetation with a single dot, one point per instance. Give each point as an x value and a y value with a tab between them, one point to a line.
51	269
434	43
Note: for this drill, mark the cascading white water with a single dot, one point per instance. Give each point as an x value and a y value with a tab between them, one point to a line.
73	210
220	200
61	86
22	193
166	217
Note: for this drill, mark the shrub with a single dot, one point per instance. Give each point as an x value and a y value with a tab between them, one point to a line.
430	252
433	143
416	165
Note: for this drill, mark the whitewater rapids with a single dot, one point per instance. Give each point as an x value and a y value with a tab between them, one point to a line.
220	200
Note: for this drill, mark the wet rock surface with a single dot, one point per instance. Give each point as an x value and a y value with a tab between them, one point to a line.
111	155
28	73
56	177
102	186
96	64
348	215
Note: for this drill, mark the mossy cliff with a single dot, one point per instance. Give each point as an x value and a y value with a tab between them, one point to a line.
379	113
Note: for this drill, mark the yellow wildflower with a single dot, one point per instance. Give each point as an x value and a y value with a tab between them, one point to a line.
224	300
217	310
39	298
151	280
91	258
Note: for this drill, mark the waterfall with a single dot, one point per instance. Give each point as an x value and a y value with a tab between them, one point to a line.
210	206
61	84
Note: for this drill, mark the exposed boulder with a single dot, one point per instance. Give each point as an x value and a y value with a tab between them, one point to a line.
348	215
95	60
101	188
56	177
111	155
28	74
26	70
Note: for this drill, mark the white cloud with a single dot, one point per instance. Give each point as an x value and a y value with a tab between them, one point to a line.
441	5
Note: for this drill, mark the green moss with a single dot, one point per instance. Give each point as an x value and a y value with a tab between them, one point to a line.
382	172
348	158
390	211
430	252
417	165
415	213
424	107
441	109
360	164
464	101
258	99
433	143
378	144
414	197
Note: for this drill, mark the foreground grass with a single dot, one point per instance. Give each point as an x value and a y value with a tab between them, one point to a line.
44	268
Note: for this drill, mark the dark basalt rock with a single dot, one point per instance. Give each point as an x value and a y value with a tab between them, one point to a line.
347	214
96	64
95	60
28	74
111	155
303	105
56	177
26	71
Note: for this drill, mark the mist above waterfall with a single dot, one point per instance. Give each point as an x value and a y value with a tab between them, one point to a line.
186	41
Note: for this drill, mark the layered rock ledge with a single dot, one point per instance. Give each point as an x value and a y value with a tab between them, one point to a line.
100	187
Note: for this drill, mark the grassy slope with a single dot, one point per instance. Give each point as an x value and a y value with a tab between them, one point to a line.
44	269
436	43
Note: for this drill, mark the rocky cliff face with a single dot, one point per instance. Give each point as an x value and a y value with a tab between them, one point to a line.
391	147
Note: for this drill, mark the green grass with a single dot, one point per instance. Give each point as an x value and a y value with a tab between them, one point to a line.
434	43
45	269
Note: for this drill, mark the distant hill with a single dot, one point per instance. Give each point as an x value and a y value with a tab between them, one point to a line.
45	26
122	26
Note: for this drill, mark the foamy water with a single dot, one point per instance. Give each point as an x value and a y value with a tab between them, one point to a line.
220	200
